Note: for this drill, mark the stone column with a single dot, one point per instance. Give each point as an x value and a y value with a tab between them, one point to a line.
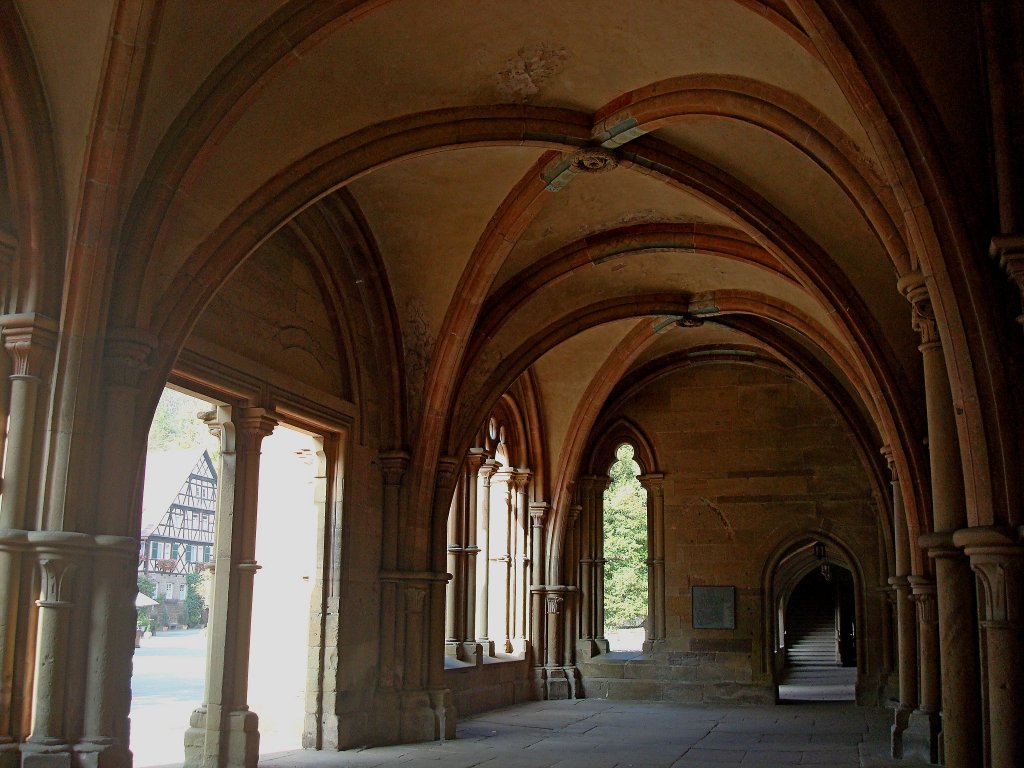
929	689
997	557
393	465
483	570
586	497
961	697
538	512
501	562
600	486
432	627
654	484
520	527
224	732
456	551
471	648
49	744
570	552
906	621
28	341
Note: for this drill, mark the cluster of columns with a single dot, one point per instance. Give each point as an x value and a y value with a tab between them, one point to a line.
942	649
587	549
487	599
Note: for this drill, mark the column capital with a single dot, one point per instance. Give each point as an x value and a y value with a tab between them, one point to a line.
912	285
447	466
253	424
520	479
997	557
27	337
487	468
924	594
654	482
538	511
890	461
393	465
126	355
1008	250
574	513
553	603
475	459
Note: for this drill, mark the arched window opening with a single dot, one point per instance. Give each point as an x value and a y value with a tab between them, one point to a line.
625	550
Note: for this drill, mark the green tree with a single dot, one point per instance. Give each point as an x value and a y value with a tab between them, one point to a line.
176	423
194	601
625	544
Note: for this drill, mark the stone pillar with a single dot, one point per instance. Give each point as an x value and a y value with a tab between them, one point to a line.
502	620
654	484
961	698
483	570
600	486
471	649
27	341
455	552
224	732
393	466
929	689
433	624
997	557
519	527
570	552
586	497
538	512
906	621
49	744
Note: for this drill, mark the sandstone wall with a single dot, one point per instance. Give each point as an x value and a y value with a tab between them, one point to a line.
752	459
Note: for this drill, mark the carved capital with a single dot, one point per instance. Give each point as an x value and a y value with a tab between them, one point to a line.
654	483
447	466
252	425
474	460
55	586
890	462
924	597
487	470
553	604
29	339
574	513
520	480
1008	250
126	357
997	558
538	511
393	465
912	286
415	597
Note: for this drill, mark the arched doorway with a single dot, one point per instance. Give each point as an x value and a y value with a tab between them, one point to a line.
814	597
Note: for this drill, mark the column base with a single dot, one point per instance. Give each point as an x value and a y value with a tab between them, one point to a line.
922	737
901	721
103	753
240	741
427	716
10	754
556	684
46	755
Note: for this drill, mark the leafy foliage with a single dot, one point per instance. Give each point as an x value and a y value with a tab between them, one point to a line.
176	423
625	544
194	600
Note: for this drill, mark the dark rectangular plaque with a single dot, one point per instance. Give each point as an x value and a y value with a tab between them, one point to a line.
714	607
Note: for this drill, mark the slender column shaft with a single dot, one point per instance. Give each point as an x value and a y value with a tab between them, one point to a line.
961	695
520	527
502	562
538	511
483	571
600	486
455	552
928	657
655	485
553	606
906	620
474	461
224	731
586	496
19	428
997	557
571	549
393	466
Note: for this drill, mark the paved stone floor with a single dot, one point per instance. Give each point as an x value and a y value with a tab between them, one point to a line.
591	733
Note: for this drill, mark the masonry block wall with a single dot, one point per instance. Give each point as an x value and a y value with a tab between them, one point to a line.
752	459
